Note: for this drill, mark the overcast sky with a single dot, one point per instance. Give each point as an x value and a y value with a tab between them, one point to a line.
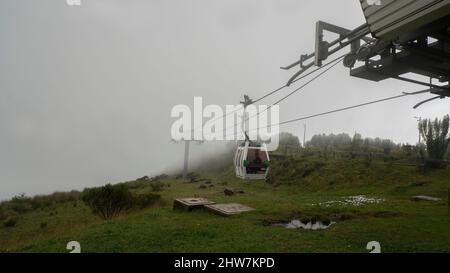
86	91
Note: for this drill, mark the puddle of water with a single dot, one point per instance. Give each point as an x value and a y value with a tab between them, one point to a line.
296	224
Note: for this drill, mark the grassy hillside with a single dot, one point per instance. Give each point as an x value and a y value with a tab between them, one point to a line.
297	188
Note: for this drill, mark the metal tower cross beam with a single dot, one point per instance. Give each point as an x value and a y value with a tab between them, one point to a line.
323	48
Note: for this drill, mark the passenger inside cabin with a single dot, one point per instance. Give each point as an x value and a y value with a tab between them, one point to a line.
257	161
256	165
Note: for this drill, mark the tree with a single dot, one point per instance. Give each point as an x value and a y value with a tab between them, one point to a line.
366	145
357	142
435	134
289	143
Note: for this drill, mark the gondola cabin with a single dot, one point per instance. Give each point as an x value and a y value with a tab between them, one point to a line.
251	161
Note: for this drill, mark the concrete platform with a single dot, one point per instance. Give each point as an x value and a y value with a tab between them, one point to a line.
229	209
191	203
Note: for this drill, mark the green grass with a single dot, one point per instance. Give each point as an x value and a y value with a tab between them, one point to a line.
399	224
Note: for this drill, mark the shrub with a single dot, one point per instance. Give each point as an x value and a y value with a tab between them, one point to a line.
108	201
160	177
43	225
3	214
145	181
157	186
19	204
41	201
435	164
138	184
193	177
11	221
142	201
144	178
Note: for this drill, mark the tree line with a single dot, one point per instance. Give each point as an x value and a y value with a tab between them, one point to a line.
435	145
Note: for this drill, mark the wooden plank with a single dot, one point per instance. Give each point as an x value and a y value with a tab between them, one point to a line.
191	203
229	209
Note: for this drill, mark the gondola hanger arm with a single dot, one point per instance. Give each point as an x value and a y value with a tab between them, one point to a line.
323	49
426	101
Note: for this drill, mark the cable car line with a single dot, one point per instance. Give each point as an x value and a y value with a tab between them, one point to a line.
292	93
343	109
334	62
305	84
300	78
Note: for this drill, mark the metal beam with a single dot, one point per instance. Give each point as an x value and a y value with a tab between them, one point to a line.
358	33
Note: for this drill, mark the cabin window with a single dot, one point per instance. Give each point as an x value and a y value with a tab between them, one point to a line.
257	161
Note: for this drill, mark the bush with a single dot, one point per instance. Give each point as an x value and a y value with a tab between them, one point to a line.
11	221
157	186
108	201
3	214
41	201
435	164
142	201
193	177
20	203
145	181
138	184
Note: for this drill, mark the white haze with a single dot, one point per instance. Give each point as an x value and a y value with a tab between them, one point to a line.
86	92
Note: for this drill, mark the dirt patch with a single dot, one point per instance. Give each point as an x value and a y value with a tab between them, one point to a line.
361	215
419	184
386	214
